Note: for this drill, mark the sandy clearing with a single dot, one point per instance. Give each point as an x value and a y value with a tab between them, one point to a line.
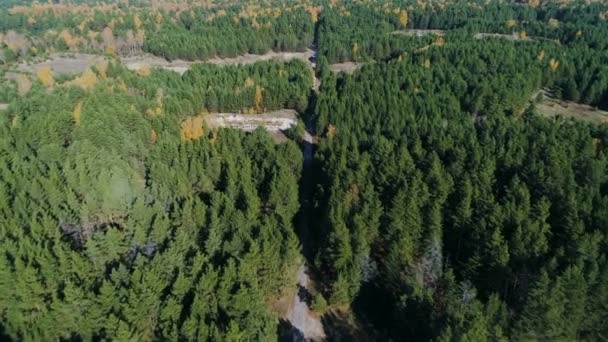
181	66
271	55
418	33
3	106
347	67
550	107
273	122
514	36
11	75
150	61
62	63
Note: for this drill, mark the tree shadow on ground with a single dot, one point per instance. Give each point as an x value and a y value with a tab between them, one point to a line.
304	295
288	333
339	327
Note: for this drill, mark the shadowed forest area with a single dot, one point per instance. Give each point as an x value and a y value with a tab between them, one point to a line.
441	180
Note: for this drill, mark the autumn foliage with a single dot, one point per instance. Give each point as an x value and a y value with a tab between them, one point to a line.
86	81
45	76
192	128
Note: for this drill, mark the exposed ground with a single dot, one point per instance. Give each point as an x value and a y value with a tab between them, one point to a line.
148	61
181	66
271	55
347	67
514	36
64	63
276	121
3	106
11	75
418	33
307	326
551	107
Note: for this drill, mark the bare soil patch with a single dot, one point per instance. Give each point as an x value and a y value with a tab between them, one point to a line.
181	66
271	55
513	37
418	33
304	322
551	107
148	61
346	67
3	106
11	75
64	63
273	122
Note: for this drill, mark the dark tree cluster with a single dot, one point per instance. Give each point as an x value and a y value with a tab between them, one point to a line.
194	37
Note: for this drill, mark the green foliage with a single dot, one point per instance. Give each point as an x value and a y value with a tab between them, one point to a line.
195	37
442	192
319	304
444	207
106	235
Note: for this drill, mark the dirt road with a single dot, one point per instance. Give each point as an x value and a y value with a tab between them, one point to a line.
309	327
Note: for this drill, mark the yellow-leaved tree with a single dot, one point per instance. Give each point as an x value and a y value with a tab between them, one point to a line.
331	131
45	76
77	113
541	56
136	21
554	64
403	18
86	81
153	137
523	35
191	128
259	98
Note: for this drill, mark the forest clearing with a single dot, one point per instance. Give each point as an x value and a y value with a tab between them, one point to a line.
62	63
275	121
346	67
73	63
552	107
147	61
515	36
418	33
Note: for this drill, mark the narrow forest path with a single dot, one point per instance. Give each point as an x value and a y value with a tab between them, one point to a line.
307	326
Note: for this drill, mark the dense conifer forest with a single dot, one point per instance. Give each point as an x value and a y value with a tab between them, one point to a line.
428	192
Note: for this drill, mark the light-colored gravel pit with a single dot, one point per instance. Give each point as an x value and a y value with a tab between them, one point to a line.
273	122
